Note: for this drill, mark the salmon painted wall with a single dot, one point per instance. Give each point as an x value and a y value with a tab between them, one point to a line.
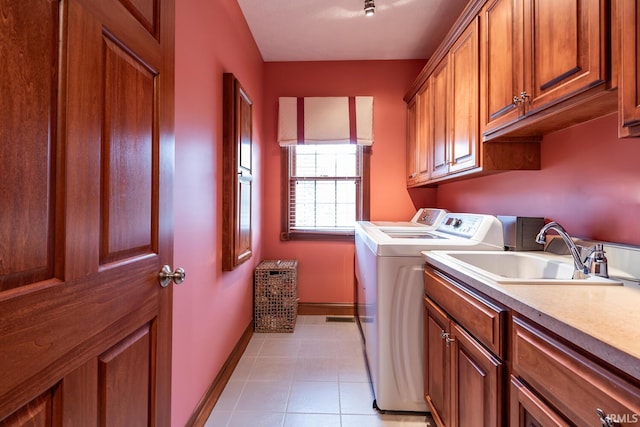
211	308
325	269
588	175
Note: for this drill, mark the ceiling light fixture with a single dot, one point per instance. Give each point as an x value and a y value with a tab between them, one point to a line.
369	8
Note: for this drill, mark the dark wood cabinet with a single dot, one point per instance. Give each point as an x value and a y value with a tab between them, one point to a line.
237	174
553	70
449	98
438	151
419	137
628	19
577	386
463	378
476	386
437	382
464	56
527	410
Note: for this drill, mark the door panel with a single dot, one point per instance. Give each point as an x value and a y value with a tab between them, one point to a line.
129	196
501	61
37	413
563	53
464	101
28	115
439	156
437	367
124	381
477	382
92	173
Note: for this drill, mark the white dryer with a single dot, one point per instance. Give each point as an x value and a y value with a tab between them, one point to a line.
389	272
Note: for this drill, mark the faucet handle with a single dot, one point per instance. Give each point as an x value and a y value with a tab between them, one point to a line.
597	262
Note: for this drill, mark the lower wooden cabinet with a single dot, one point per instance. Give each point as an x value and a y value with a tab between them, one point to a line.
527	410
488	365
464	380
578	387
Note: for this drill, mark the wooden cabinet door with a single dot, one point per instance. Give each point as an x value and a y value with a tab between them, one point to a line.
412	141
573	383
419	131
526	410
563	49
425	132
629	72
501	62
237	174
87	159
437	369
476	384
464	100
439	152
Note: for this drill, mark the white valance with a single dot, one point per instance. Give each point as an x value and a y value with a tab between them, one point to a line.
325	120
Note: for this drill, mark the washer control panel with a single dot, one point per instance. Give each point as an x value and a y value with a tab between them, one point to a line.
429	216
465	225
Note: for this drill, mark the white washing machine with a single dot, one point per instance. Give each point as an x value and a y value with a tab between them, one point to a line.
423	219
389	271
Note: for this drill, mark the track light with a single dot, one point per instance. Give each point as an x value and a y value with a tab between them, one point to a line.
369	8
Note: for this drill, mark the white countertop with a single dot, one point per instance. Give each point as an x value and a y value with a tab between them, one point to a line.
603	320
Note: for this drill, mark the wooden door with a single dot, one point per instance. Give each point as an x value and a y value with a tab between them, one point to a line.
629	71
437	383
476	383
87	155
501	62
439	154
564	49
464	100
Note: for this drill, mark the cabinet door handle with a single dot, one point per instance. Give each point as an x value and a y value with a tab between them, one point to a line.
605	419
516	100
448	340
524	96
443	334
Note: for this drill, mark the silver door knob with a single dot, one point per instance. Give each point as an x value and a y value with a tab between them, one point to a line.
166	276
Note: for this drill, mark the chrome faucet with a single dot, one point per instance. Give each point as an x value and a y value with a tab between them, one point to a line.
581	269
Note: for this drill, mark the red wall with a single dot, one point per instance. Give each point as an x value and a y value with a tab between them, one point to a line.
325	269
211	308
589	182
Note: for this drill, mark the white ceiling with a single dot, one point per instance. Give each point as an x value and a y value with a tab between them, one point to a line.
335	30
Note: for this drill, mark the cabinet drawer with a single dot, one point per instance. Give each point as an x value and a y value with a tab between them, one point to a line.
571	382
482	318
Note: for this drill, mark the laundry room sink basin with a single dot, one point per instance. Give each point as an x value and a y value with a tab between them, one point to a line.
523	268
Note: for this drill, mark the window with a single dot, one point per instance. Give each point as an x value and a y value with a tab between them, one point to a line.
326	190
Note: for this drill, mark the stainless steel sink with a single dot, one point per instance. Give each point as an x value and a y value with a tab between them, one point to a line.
525	268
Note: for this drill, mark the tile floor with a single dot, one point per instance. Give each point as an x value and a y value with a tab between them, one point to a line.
313	377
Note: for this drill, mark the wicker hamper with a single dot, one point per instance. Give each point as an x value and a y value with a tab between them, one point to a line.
275	296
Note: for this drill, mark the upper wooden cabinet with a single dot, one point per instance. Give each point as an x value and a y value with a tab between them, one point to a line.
419	137
446	107
463	100
551	69
438	150
454	101
237	174
629	72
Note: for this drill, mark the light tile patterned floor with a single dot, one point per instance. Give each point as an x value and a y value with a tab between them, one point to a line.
313	377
